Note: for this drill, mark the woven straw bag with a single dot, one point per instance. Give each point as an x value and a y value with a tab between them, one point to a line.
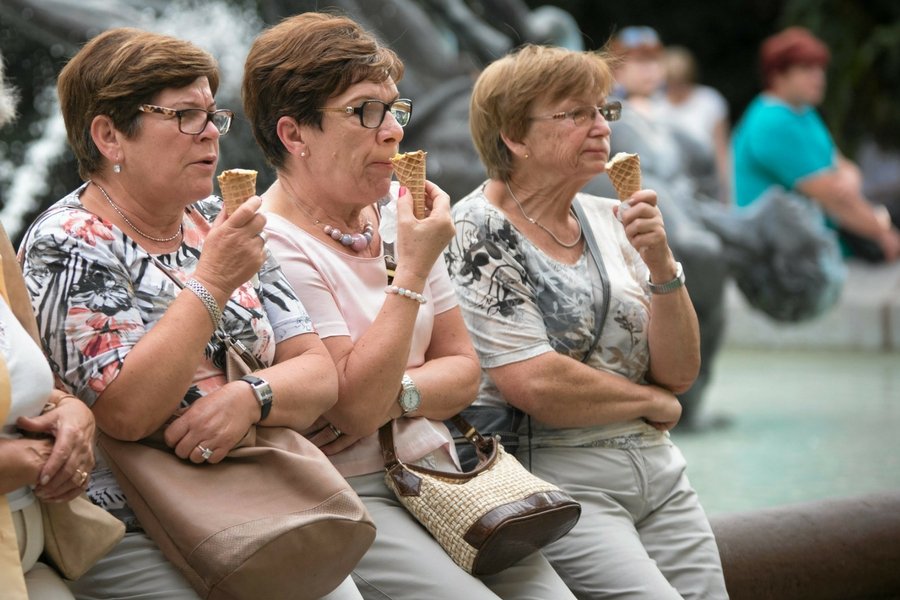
486	519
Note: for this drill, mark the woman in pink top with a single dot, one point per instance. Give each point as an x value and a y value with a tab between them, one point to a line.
321	95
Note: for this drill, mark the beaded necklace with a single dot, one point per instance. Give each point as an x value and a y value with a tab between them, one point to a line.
355	241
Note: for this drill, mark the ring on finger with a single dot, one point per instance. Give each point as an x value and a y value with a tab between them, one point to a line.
262	235
80	477
205	453
337	432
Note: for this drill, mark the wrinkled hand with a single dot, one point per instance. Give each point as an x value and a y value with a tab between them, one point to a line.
643	223
665	410
71	427
233	251
421	241
21	461
217	421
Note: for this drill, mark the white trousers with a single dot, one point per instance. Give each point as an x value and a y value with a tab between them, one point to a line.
642	533
41	581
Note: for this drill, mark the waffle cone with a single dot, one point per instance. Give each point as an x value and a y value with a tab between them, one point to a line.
236	186
410	170
624	171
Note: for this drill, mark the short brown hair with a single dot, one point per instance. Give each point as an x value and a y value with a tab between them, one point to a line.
793	46
294	67
507	88
116	72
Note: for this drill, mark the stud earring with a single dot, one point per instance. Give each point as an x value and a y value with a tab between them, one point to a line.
117	168
303	154
526	155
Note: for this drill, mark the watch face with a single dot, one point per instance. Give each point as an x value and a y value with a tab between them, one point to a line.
410	400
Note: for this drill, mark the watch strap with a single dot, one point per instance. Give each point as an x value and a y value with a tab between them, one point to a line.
669	286
263	392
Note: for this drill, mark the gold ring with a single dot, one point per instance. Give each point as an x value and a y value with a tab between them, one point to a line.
337	432
82	477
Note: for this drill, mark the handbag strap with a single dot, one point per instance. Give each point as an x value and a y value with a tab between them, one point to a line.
597	257
483	445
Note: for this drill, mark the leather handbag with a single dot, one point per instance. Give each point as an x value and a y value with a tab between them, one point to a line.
274	519
486	519
77	534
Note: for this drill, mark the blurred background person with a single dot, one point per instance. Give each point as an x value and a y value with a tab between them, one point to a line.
142	120
578	311
700	112
321	94
782	141
643	128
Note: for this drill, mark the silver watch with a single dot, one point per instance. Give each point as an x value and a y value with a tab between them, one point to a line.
669	286
409	399
263	392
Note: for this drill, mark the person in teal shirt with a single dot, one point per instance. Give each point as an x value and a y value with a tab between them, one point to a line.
782	141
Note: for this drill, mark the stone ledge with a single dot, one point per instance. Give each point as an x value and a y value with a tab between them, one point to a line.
866	317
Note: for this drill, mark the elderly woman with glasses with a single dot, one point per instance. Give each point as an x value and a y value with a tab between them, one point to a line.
322	96
103	267
581	320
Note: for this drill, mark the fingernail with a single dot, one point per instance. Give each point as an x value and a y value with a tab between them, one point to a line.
45	480
623	206
403	190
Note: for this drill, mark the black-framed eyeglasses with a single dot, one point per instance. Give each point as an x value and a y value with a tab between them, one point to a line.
611	111
192	121
371	112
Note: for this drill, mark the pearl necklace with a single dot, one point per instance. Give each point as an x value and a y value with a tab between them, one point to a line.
355	241
132	225
534	222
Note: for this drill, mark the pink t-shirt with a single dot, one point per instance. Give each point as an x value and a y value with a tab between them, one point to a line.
343	294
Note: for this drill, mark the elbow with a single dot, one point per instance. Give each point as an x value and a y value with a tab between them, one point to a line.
121	427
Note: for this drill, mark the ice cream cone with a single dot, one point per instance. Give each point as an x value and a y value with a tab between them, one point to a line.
624	171
236	186
410	170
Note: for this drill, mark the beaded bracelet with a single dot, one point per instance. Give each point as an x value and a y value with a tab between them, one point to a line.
212	307
393	289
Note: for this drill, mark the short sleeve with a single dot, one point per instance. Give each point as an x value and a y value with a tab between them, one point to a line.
284	310
790	146
493	287
87	308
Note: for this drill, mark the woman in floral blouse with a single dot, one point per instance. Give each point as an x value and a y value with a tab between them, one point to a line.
555	287
101	266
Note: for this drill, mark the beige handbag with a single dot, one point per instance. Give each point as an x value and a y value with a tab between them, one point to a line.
486	519
77	534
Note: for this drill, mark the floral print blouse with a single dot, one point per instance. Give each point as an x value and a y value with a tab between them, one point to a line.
96	293
519	303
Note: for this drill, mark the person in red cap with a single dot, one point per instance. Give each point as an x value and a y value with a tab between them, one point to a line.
782	141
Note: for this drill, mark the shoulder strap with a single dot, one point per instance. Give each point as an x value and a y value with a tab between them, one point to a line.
594	250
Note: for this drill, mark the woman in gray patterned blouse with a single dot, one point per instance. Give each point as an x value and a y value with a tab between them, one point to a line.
579	314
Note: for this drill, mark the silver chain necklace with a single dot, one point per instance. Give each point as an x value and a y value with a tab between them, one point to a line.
132	225
534	222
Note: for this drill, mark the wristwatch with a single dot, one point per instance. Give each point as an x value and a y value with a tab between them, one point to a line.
263	392
669	286
409	398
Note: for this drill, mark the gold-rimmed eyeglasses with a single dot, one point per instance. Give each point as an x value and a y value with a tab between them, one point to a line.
192	121
371	112
611	111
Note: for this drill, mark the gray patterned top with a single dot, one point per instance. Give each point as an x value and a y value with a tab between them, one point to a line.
519	303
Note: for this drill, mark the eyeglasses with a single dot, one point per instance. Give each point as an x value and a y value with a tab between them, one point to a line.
192	121
611	111
371	112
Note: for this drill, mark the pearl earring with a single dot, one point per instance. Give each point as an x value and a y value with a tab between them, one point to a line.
303	154
117	168
526	155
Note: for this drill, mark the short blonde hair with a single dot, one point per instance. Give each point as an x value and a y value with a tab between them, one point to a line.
294	67
508	88
116	72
